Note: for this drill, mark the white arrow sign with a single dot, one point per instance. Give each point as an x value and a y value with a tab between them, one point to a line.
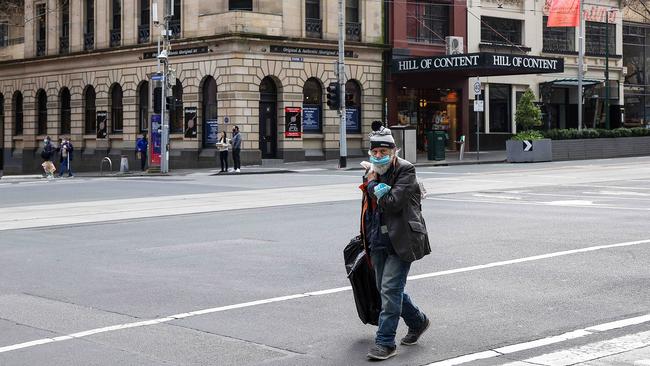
528	145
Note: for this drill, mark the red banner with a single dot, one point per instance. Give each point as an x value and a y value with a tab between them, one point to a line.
564	13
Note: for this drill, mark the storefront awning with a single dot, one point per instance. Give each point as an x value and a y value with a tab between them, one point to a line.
479	64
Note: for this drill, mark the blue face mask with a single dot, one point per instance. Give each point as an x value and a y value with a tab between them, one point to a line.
380	161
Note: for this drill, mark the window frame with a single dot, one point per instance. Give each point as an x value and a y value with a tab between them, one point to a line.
597	37
429	13
117	109
17	107
90	110
41	112
317	87
65	112
565	37
488	35
238	5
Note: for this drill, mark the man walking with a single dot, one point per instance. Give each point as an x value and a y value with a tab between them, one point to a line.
66	157
141	150
236	149
396	235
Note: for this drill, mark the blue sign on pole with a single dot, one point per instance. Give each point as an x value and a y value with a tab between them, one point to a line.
155	139
311	118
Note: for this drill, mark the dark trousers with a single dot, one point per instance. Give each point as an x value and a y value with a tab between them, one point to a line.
223	157
235	158
143	160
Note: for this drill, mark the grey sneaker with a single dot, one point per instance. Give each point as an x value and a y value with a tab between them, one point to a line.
379	352
413	335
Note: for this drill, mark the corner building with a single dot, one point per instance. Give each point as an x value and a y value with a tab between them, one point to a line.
236	62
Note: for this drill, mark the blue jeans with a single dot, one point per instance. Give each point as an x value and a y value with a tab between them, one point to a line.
65	165
391	273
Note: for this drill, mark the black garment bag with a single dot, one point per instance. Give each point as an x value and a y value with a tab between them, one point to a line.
362	277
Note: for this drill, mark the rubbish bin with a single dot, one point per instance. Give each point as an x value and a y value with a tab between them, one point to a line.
124	164
436	147
405	139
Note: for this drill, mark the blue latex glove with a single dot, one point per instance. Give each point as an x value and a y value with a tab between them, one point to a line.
381	189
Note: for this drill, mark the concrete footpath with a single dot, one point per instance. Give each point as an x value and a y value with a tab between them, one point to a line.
277	166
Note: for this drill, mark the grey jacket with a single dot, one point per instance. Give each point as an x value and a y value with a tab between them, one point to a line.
236	141
402	212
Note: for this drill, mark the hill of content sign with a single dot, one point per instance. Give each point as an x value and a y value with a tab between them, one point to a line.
479	64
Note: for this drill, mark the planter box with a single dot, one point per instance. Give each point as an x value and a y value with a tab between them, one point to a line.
600	148
542	150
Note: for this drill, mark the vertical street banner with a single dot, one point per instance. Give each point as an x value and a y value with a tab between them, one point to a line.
190	122
211	132
292	122
310	118
154	155
564	13
101	124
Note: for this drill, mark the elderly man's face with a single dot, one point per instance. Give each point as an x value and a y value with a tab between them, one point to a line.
380	152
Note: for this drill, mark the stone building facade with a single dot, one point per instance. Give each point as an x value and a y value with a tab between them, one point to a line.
236	63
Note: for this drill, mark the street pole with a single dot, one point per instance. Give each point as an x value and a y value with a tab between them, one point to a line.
581	56
341	79
607	69
164	120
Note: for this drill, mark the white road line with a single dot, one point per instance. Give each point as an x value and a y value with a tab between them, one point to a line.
589	352
488	354
565	357
553	203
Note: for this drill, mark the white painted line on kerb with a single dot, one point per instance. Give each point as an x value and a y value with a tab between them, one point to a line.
480	355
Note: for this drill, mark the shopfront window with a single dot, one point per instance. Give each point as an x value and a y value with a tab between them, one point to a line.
430	109
636	58
312	106
500	108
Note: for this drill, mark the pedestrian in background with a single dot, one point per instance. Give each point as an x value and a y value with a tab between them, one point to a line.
395	233
236	149
65	157
141	150
46	155
222	146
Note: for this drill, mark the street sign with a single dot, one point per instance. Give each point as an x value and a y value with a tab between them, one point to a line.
528	145
478	106
477	86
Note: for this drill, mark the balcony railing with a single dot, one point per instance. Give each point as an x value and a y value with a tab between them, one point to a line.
353	32
314	28
64	44
175	27
89	41
143	33
116	37
40	47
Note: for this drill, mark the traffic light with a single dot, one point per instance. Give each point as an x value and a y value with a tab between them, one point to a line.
333	96
157	103
349	100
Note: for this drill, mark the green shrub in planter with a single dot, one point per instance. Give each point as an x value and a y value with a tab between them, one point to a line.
622	132
589	134
605	133
528	115
640	131
528	135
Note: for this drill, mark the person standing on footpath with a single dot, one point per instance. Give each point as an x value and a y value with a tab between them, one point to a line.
141	150
395	233
66	150
236	149
222	146
46	155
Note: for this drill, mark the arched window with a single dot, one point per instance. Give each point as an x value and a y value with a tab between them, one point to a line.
353	107
312	119
89	110
17	107
41	112
64	108
117	120
175	22
143	106
209	113
176	114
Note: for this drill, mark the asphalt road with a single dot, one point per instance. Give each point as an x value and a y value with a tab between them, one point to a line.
247	270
